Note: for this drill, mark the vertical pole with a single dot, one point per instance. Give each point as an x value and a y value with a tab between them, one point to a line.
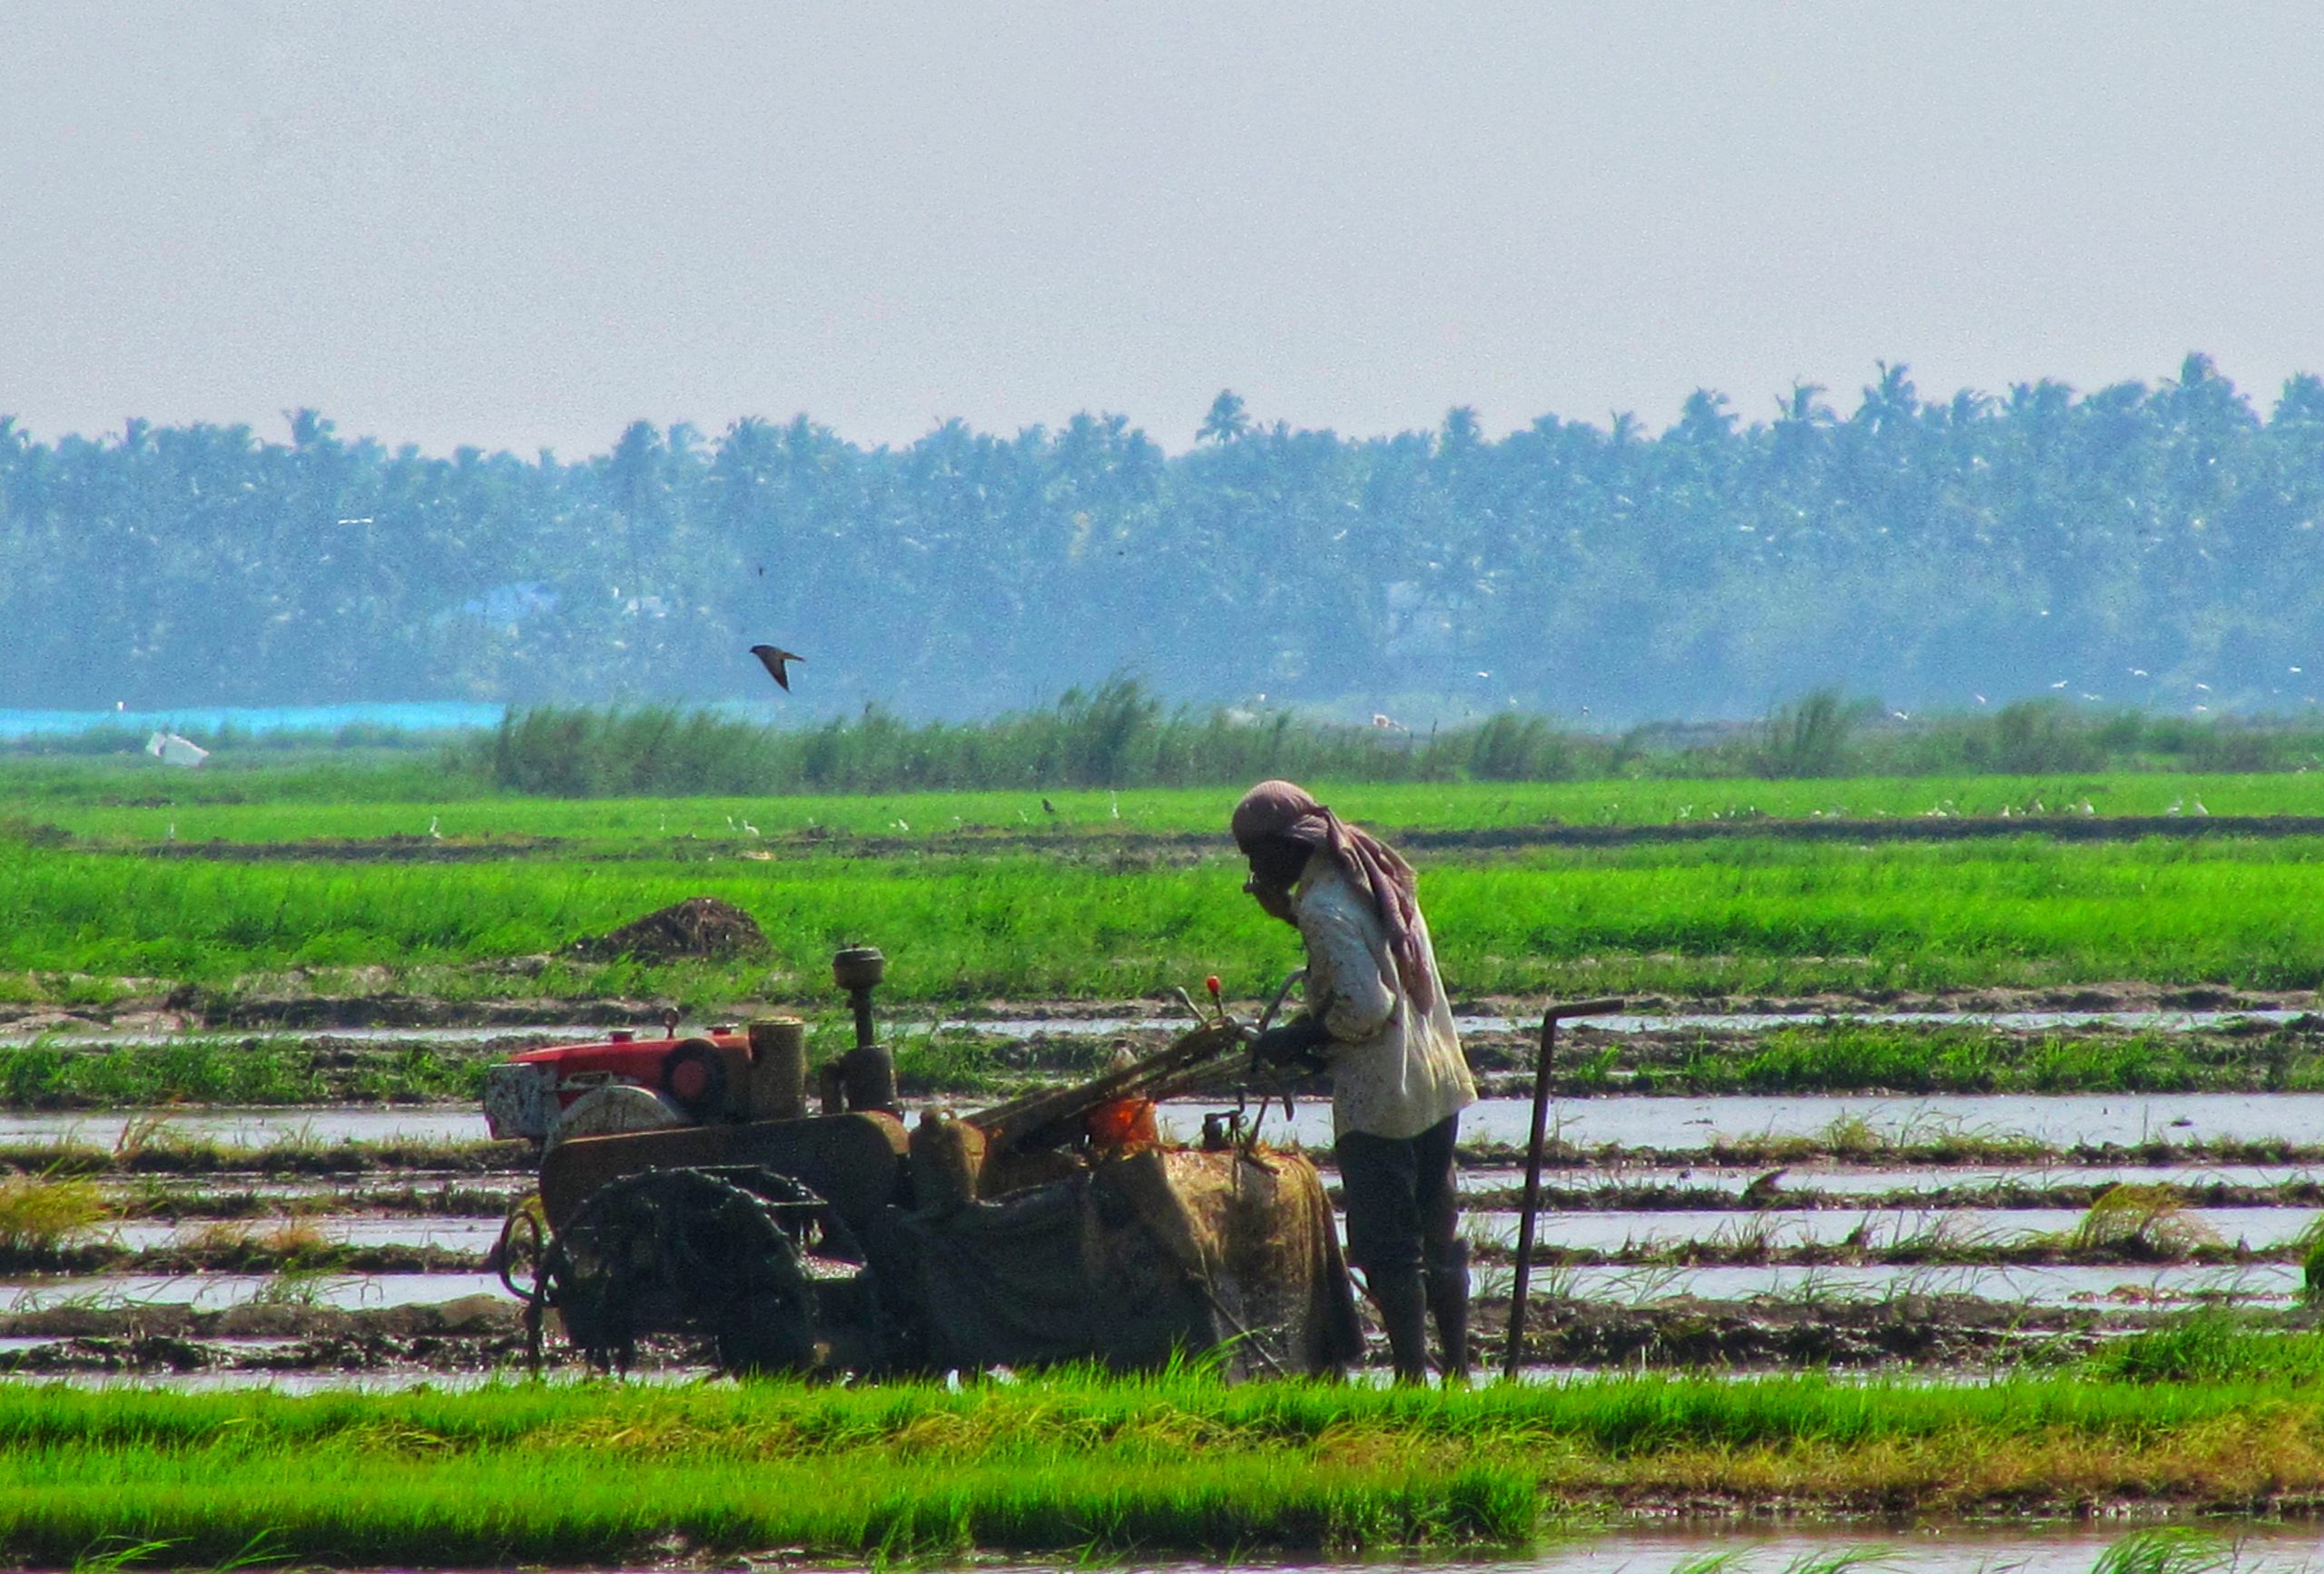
1521	1284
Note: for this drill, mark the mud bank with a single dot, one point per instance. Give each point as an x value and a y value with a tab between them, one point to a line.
1955	1332
474	1333
296	1001
482	1334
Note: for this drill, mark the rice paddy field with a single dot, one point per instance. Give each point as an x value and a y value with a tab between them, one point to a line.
1948	1192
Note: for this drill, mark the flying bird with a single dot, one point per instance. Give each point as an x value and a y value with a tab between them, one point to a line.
773	656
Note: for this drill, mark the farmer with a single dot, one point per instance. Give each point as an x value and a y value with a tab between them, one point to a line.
1376	1017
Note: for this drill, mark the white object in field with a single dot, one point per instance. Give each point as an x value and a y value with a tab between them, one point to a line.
172	750
616	1107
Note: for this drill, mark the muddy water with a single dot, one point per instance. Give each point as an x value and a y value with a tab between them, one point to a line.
2062	1120
1626	1023
2260	1229
2256	1283
235	1127
215	1292
2240	1548
1629	1023
2262	1283
2058	1120
451	1235
299	1195
1857	1181
1946	1549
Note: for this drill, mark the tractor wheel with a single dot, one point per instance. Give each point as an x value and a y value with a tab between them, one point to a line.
721	1251
695	1077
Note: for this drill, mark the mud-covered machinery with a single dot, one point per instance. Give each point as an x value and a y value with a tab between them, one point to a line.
1053	1228
624	1083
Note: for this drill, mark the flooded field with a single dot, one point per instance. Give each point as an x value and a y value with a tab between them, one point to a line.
327	1241
1955	1551
2057	1122
1470	1024
1665	1124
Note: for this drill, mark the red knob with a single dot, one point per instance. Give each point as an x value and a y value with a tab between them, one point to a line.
1211	983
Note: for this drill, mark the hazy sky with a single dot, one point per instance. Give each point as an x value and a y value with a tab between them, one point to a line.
515	226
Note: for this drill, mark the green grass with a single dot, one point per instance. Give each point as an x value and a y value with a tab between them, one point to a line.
50	1074
2214	1345
127	804
154	1148
1172	1464
53	1073
40	1211
1865	1057
1756	917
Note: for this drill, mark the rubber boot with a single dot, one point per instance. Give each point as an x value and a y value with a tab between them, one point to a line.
1448	1302
1403	1313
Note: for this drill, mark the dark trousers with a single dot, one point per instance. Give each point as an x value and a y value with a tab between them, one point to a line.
1404	1205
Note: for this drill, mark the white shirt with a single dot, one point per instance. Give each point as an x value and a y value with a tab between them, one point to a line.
1395	1070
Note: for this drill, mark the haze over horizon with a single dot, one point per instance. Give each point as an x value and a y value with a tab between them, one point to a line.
450	225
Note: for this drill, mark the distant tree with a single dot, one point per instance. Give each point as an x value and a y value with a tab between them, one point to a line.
1929	550
1226	422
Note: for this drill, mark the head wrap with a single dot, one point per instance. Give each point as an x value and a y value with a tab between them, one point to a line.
1287	810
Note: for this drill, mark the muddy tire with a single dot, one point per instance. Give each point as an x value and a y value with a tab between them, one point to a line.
693	1076
721	1252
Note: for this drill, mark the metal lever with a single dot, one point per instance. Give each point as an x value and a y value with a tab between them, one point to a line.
1521	1280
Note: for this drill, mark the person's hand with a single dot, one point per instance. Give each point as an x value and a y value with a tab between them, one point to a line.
1275	901
1296	1039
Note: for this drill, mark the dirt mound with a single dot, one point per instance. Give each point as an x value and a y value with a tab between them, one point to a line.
700	926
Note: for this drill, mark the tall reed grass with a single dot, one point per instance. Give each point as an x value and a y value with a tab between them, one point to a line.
1116	736
1120	734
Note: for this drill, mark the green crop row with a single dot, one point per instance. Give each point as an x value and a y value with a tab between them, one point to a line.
48	1074
142	807
1926	1057
1746	917
1073	1463
56	1073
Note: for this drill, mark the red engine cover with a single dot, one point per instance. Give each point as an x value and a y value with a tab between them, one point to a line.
579	1067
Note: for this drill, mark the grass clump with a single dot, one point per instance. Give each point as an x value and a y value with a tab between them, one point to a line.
2169	1549
2141	1222
2211	1345
38	1211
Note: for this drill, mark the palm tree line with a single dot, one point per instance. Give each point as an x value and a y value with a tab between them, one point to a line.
2140	545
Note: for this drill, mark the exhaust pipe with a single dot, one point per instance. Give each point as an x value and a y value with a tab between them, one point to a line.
867	1073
